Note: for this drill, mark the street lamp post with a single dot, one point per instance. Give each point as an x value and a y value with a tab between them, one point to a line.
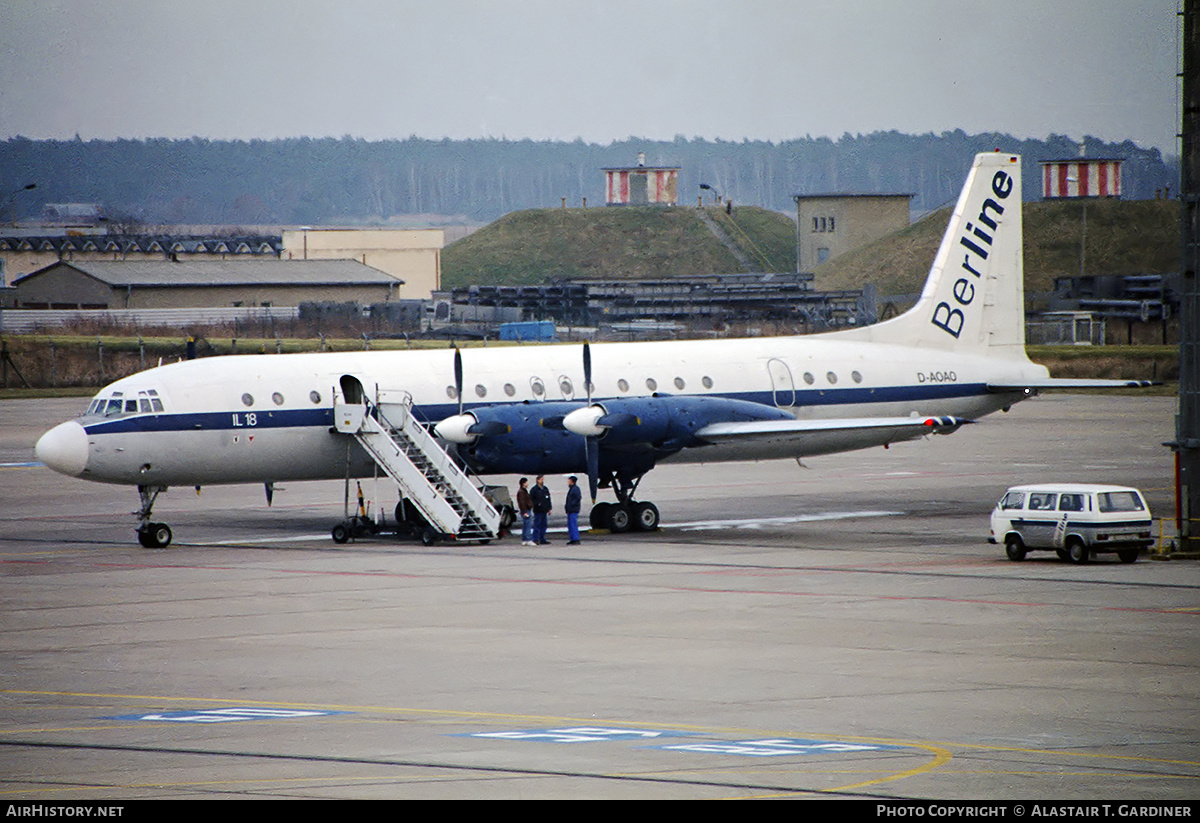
12	200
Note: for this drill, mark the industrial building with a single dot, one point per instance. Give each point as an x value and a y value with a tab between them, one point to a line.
413	256
164	283
828	225
23	253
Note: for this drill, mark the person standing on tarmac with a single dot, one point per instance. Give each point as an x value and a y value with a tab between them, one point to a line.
525	507
571	507
540	495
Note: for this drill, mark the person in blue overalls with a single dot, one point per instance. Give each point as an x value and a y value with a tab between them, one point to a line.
541	510
572	506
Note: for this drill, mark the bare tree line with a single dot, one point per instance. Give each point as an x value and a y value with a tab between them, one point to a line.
350	180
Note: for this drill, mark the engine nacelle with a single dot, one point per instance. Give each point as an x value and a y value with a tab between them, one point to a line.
455	428
529	438
584	422
467	428
633	433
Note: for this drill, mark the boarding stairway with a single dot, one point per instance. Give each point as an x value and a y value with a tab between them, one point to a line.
427	475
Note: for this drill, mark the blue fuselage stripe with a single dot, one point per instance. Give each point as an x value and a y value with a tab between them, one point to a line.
323	417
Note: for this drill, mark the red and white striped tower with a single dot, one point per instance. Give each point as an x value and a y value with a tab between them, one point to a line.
1081	177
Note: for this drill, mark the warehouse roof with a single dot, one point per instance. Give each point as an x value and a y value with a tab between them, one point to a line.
237	272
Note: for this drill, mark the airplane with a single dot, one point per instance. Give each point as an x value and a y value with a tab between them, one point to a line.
613	411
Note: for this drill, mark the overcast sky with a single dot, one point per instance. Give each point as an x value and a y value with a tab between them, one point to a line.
600	70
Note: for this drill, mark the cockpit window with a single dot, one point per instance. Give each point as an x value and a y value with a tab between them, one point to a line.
148	402
117	405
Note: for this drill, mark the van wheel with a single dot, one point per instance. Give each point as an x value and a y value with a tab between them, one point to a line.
1077	552
1014	548
1062	555
1128	555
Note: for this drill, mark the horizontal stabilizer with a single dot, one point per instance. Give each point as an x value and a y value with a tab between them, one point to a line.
1030	386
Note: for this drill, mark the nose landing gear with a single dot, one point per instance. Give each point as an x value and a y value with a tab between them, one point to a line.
151	535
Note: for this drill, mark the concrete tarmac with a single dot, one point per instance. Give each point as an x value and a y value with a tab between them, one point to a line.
838	630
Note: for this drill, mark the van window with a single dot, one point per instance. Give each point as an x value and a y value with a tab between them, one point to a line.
1070	503
1120	502
1042	501
1013	500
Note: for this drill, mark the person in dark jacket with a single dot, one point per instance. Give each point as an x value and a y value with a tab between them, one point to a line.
525	507
540	495
572	506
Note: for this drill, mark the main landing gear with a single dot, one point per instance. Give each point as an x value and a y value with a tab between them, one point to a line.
626	514
151	535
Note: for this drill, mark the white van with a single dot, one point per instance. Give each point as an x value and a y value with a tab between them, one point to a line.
1075	520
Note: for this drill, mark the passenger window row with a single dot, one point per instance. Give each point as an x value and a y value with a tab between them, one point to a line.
278	399
538	388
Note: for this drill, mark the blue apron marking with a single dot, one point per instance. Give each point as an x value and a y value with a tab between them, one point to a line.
779	747
227	715
578	734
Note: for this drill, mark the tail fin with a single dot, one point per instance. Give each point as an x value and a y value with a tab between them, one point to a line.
974	297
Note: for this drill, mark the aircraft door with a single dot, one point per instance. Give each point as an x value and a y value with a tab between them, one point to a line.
353	390
783	388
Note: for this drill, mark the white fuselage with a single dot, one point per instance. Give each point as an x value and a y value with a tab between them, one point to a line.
267	418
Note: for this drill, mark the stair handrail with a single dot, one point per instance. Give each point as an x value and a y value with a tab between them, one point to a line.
440	458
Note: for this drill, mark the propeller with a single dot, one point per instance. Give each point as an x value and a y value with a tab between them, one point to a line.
591	450
458	378
466	428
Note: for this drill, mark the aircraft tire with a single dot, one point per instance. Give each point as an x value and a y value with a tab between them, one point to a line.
1014	548
645	517
155	535
162	535
507	517
619	518
598	517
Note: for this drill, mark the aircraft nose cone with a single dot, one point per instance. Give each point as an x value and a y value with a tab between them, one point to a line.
64	448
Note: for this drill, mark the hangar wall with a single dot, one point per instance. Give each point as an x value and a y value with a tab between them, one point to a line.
413	255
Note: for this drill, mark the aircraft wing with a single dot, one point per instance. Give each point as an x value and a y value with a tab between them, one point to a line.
797	432
1069	383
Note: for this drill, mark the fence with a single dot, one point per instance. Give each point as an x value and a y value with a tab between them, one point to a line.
24	321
